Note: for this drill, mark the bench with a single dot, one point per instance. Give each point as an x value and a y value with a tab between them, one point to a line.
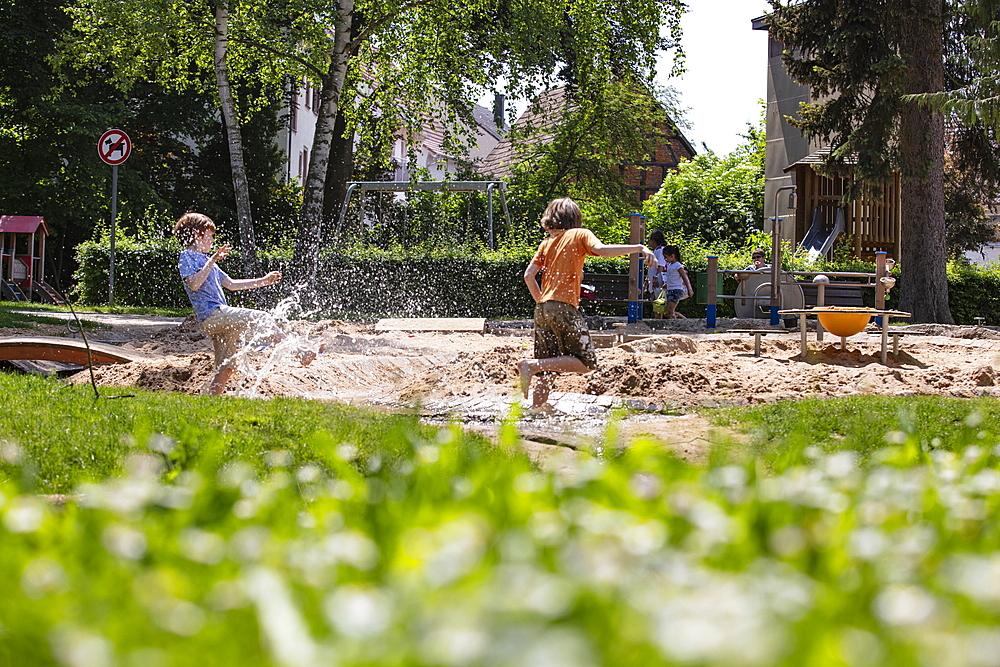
607	288
757	333
837	294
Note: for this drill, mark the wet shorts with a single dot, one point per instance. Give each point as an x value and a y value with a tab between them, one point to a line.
231	329
561	330
675	295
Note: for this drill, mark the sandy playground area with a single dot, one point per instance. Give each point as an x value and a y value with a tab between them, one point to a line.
669	369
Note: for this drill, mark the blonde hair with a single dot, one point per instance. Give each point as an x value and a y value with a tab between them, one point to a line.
562	213
191	225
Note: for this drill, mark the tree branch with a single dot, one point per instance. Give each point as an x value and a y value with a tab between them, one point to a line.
278	52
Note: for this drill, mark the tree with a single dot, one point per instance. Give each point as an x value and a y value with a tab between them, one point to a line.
169	43
579	145
712	197
861	59
432	56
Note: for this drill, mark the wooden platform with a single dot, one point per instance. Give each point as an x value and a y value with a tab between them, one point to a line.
65	350
474	324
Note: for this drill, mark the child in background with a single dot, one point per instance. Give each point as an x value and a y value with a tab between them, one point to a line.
562	340
231	329
675	281
656	241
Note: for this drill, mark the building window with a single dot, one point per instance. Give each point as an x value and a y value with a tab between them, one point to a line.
303	165
293	115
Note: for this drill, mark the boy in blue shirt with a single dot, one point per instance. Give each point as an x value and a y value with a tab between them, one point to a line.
231	329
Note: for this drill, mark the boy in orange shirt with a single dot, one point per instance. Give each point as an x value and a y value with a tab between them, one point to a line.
562	340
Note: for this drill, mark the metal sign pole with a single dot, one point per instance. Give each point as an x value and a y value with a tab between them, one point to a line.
114	219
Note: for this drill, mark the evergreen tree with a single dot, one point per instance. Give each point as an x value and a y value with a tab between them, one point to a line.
859	59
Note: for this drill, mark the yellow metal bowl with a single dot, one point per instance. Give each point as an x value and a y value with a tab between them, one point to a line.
844	323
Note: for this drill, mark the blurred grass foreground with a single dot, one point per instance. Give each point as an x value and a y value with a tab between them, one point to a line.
281	533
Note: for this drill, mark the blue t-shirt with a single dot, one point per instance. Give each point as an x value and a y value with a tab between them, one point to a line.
209	296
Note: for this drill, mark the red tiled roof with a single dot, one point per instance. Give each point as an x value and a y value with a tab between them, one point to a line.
23	224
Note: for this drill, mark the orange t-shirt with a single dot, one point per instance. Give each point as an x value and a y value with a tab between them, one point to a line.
561	257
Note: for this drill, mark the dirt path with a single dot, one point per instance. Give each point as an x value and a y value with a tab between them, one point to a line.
659	378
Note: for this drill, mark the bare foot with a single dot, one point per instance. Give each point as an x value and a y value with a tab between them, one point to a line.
524	373
540	395
308	355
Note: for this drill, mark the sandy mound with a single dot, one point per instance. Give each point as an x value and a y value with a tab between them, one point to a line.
671	367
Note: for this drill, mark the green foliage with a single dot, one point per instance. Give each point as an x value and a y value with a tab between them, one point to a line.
578	147
974	292
719	198
404	544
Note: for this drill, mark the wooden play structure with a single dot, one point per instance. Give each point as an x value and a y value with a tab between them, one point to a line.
22	259
872	221
65	350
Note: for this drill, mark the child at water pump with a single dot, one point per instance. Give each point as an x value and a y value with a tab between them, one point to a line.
562	340
231	329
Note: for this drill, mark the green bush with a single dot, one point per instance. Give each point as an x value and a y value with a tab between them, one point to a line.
457	282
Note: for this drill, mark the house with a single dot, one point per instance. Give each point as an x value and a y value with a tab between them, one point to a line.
644	175
872	222
427	144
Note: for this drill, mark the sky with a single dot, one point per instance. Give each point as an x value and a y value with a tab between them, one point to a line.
726	71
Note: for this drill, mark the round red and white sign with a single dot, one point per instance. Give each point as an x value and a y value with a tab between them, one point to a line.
114	147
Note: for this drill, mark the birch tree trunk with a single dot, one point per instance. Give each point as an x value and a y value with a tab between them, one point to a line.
924	256
241	186
305	261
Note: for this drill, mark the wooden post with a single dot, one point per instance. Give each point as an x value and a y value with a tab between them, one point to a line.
636	236
713	292
879	285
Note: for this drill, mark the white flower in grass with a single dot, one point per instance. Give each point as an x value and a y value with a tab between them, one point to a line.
202	546
456	645
904	605
43	576
974	576
77	647
24	514
124	541
353	548
358	612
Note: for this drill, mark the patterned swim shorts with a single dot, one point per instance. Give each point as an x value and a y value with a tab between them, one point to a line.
561	330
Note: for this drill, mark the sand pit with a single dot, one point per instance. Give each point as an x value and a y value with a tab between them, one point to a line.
471	377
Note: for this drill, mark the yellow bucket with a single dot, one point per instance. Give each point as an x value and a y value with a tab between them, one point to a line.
845	322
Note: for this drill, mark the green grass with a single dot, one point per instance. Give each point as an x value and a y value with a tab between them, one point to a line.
781	432
289	533
16	315
83	309
72	437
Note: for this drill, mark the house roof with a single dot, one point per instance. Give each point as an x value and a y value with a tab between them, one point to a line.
542	114
532	128
23	224
432	133
817	159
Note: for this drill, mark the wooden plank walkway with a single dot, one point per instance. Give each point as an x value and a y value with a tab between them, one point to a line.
66	350
474	324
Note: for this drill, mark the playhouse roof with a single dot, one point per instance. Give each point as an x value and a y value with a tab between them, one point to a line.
23	224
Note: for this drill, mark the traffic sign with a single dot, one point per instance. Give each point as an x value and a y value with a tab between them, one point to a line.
114	147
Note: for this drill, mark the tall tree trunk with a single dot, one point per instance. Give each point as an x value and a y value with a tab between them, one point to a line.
241	186
305	261
338	173
924	256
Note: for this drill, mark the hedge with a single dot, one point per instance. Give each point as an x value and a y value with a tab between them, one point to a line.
401	283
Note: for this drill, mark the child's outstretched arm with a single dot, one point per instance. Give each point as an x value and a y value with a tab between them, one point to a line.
250	283
617	250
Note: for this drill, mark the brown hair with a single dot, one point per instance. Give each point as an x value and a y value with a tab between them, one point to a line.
563	213
191	225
